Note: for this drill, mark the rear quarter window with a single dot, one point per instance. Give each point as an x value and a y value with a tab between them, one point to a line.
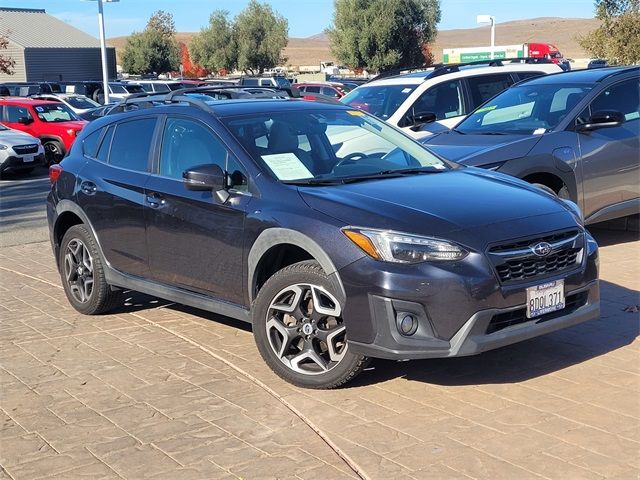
90	143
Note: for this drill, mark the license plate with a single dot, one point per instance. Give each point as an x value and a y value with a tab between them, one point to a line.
545	298
27	158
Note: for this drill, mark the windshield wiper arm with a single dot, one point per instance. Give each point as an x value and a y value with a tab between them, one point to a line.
492	133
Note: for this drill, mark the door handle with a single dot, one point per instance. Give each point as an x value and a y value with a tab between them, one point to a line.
154	200
88	188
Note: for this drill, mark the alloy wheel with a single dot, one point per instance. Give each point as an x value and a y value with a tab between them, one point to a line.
305	329
78	270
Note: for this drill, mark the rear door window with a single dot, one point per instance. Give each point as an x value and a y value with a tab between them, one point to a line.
484	87
313	89
131	144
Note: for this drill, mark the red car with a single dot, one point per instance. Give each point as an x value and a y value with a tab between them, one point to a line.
335	90
52	122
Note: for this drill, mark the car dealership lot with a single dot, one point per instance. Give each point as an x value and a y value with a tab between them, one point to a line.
163	391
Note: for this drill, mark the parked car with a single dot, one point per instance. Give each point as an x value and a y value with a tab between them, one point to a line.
160	86
333	89
576	134
52	122
26	89
79	104
19	151
274	81
597	63
95	90
98	112
434	99
243	208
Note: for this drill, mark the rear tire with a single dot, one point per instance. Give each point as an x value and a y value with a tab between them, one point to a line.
82	273
299	331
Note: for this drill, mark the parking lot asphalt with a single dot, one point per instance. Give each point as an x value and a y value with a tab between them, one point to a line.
23	215
158	390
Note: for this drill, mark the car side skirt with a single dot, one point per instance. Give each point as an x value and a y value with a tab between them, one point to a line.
623	209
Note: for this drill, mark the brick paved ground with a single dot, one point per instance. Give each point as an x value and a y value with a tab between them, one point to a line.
147	392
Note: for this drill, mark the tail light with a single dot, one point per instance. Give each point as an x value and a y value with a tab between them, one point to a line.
54	173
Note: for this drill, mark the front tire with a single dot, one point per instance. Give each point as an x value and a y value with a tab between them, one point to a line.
54	152
299	331
82	273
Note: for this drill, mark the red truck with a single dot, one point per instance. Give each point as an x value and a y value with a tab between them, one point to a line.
52	122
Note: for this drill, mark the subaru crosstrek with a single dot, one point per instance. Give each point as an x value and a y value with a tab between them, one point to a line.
256	210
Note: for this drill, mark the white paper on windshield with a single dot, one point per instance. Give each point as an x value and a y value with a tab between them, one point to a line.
287	166
539	131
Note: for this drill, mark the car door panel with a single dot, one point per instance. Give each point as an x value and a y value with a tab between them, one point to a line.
176	217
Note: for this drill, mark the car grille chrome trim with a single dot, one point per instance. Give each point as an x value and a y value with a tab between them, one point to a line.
516	261
25	149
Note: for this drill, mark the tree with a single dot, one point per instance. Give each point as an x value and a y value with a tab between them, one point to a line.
215	47
155	49
617	39
189	68
6	63
260	35
382	34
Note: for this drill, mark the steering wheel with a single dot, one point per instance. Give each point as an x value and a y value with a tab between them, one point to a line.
352	157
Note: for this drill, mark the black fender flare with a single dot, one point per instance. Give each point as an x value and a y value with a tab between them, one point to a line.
273	237
65	206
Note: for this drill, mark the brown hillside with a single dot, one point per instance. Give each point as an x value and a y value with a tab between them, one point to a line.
559	31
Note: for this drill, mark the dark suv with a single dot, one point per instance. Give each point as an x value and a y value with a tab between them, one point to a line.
575	134
336	235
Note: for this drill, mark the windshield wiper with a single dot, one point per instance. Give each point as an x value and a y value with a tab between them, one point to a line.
458	131
359	178
492	133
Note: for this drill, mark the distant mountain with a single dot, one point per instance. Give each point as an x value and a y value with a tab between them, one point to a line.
561	32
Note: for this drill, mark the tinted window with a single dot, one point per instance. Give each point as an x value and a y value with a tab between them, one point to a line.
623	97
328	91
250	81
105	145
185	144
90	143
525	75
131	144
444	99
484	87
237	177
13	113
147	87
312	89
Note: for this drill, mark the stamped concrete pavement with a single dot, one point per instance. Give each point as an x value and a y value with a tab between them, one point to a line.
158	390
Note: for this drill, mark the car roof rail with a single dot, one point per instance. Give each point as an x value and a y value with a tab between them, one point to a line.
152	99
495	62
394	72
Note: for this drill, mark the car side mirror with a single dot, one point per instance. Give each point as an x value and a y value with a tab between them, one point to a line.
25	120
602	119
421	119
207	178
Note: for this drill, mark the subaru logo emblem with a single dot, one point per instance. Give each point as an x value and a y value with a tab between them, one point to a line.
541	249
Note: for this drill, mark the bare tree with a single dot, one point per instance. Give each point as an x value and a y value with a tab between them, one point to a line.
6	62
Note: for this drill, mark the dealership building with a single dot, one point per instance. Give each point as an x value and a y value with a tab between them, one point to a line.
46	48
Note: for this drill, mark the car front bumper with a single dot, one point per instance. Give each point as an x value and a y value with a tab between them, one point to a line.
16	162
461	309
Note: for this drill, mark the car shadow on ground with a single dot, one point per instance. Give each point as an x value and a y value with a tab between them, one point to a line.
617	327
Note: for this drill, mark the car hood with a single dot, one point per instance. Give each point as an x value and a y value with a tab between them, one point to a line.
480	149
438	203
73	124
12	137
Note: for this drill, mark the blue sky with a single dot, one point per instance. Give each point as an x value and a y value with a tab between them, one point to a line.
306	17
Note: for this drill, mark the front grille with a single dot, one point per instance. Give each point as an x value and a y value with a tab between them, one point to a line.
515	317
516	261
25	149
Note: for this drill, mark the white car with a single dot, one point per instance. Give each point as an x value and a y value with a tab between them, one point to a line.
434	99
19	151
159	86
78	103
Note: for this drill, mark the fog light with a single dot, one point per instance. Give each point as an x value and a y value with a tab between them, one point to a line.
407	324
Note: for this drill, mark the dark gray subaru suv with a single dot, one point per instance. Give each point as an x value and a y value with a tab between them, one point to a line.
335	234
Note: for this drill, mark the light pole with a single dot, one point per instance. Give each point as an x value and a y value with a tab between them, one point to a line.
103	50
483	20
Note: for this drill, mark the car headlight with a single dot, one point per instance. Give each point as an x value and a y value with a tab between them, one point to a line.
575	209
397	247
3	147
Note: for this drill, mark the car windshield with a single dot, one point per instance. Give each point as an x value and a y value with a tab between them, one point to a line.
82	102
524	110
161	87
379	100
115	88
327	146
52	113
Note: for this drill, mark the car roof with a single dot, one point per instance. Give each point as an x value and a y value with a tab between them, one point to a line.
229	108
581	76
26	101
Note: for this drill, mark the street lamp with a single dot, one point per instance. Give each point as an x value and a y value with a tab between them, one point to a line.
103	49
483	20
